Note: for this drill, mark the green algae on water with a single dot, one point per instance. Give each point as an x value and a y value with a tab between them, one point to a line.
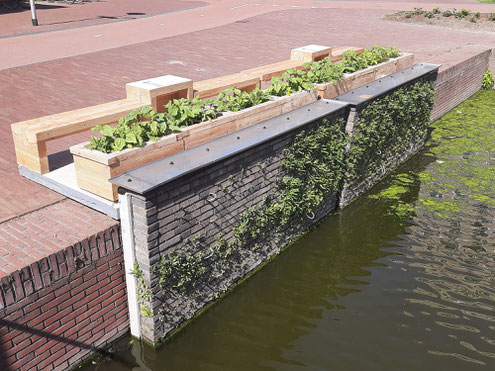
462	175
463	143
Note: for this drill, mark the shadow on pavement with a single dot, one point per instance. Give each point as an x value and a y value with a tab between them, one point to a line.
23	328
4	10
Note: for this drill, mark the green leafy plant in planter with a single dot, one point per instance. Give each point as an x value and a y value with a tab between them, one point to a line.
235	100
370	57
186	112
292	81
488	81
144	124
324	71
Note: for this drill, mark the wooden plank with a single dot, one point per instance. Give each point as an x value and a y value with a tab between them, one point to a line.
30	155
212	87
71	122
160	90
156	86
268	71
362	77
93	176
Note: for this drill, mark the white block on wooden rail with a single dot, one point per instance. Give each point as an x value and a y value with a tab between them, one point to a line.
310	53
157	91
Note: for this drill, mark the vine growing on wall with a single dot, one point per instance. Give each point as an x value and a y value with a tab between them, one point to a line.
312	168
387	127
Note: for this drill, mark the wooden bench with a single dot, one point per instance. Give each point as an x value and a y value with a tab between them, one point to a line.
30	136
211	88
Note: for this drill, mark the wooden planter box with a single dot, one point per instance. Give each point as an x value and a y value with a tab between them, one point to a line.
94	168
359	78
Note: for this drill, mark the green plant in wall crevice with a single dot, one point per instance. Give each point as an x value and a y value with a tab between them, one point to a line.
488	81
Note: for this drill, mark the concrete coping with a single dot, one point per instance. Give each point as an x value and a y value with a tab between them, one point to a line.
150	176
387	83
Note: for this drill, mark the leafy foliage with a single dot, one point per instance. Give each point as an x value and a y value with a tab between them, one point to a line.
144	124
292	81
144	293
463	13
235	100
370	57
488	81
325	70
314	166
386	127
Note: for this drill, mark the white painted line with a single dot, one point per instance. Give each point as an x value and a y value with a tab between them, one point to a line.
275	5
97	35
240	6
295	6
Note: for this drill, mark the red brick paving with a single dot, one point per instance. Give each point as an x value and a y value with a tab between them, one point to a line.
42	233
59	15
55	86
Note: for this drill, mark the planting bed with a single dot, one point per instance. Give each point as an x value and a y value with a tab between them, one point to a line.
483	22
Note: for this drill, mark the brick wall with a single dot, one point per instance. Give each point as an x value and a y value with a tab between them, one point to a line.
457	83
206	204
67	304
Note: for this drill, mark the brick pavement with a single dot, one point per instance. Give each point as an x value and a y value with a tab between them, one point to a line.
63	84
44	232
28	49
60	15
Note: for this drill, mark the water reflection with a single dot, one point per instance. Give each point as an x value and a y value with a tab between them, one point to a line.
400	283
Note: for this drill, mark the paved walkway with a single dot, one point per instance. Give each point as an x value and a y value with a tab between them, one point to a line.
36	48
56	15
230	36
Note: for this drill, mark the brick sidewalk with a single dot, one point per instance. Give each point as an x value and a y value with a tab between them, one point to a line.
60	15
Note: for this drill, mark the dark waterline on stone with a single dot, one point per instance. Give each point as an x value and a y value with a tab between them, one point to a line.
402	279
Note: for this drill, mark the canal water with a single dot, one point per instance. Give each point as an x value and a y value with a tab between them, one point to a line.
402	279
